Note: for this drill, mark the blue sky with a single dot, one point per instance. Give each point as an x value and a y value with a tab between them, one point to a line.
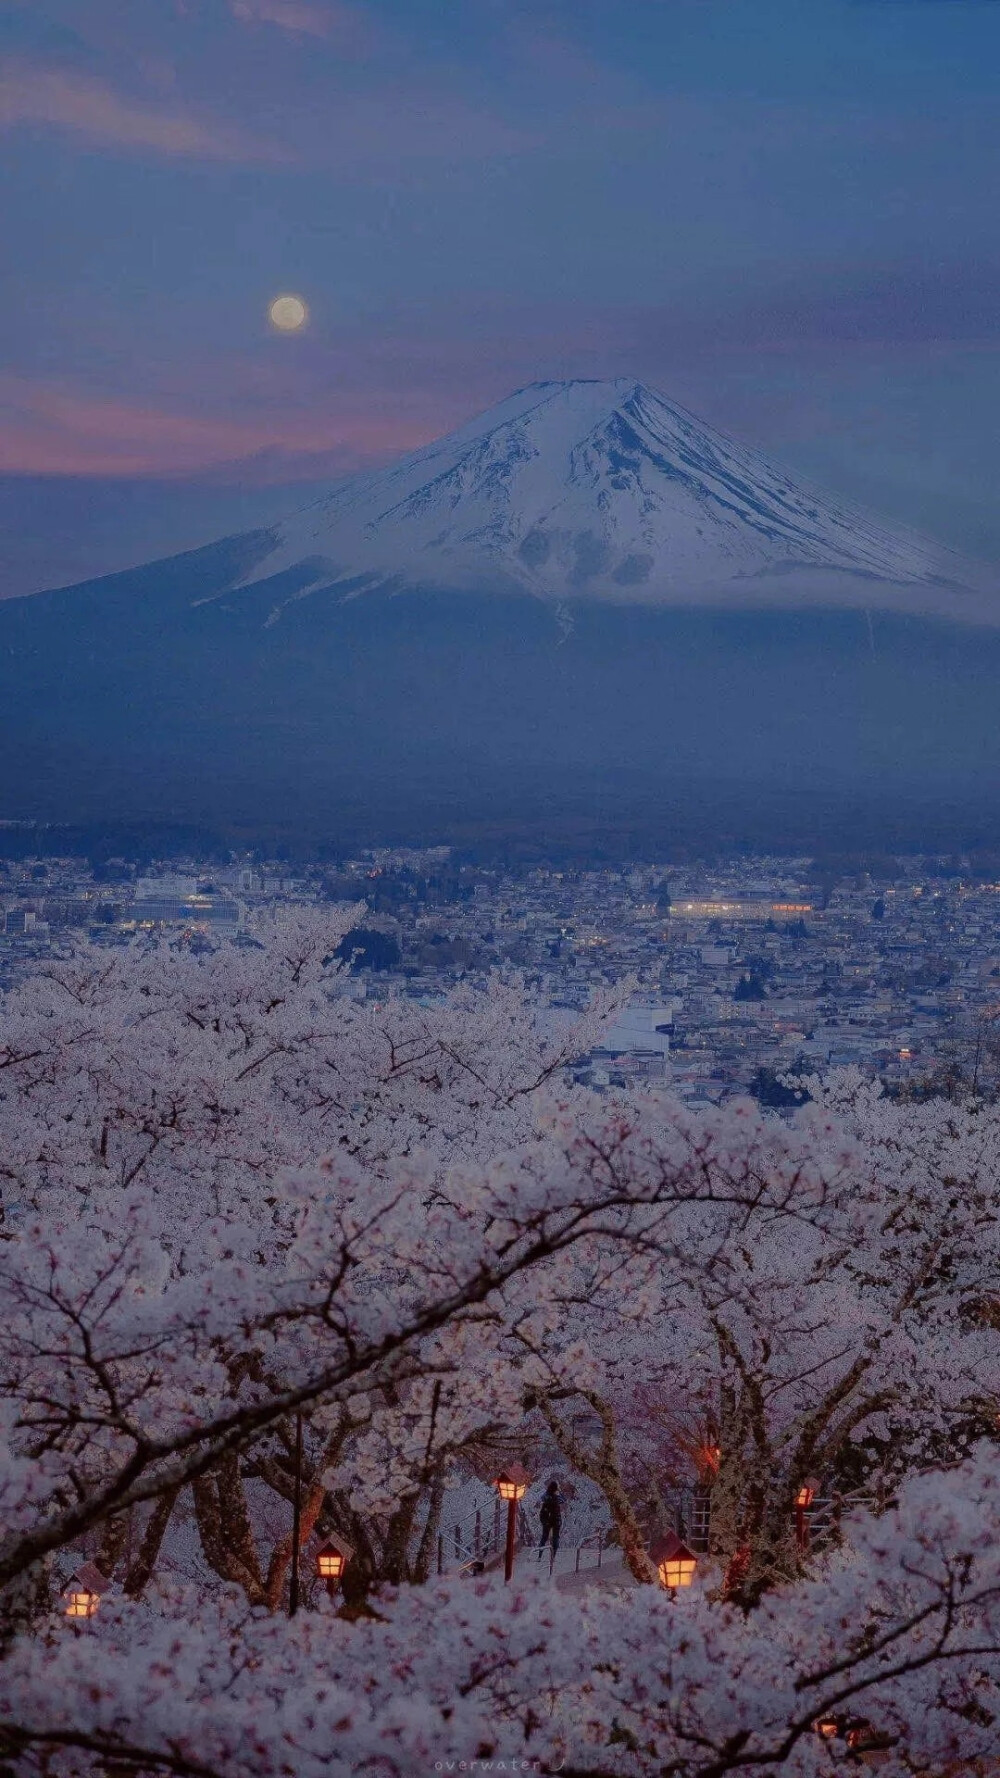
782	212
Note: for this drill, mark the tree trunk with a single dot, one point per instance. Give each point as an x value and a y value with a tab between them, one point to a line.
773	1554
113	1541
281	1556
225	1530
602	1467
140	1570
397	1541
314	1496
425	1551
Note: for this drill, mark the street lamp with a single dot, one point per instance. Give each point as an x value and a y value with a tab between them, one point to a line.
675	1563
331	1561
511	1485
293	1582
804	1497
83	1595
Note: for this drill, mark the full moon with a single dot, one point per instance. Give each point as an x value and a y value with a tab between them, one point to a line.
288	313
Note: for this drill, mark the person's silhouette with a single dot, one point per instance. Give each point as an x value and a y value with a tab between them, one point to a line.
550	1517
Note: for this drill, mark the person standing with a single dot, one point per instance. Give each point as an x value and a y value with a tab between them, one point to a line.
550	1516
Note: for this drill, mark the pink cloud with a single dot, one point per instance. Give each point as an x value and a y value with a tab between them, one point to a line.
348	398
303	18
56	429
395	131
63	99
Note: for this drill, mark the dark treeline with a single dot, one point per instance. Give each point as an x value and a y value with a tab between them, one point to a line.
686	835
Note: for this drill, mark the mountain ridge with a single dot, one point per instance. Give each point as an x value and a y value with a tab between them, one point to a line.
605	489
259	682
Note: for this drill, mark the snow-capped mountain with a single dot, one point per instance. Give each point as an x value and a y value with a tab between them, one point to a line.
606	490
584	613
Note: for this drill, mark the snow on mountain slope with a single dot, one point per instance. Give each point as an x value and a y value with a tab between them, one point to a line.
606	490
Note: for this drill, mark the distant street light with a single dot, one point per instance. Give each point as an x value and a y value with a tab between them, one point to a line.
511	1486
803	1501
331	1561
83	1595
675	1563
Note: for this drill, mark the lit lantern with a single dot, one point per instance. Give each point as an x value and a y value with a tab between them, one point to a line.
511	1485
331	1560
513	1482
804	1496
862	1738
675	1563
826	1728
81	1603
83	1595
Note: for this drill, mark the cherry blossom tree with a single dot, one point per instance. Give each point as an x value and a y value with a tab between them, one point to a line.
850	1338
178	1088
233	1196
896	1646
202	1075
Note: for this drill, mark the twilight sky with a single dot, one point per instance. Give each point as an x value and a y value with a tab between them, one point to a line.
780	212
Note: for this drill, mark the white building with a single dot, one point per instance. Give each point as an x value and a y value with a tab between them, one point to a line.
641	1028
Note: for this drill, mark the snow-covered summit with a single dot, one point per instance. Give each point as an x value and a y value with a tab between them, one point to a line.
604	489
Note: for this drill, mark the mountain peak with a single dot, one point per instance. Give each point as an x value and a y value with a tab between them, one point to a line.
582	400
603	488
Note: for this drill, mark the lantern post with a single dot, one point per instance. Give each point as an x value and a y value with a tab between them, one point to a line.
675	1563
331	1560
805	1494
293	1584
511	1486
